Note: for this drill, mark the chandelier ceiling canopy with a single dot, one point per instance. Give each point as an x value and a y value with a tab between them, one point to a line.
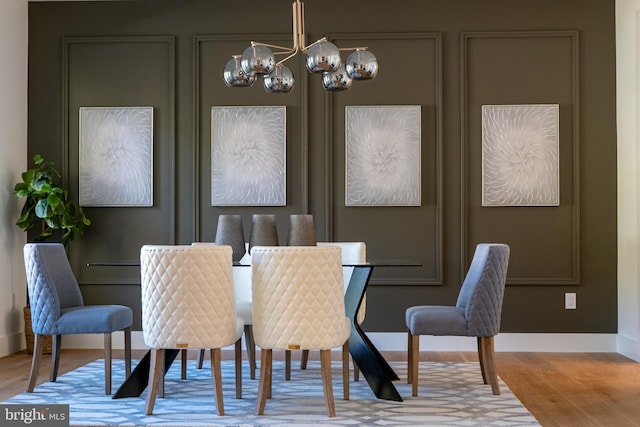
322	56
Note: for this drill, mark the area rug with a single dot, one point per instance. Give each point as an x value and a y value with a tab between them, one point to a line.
450	394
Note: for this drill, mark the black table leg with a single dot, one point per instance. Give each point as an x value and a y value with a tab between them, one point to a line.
135	384
373	366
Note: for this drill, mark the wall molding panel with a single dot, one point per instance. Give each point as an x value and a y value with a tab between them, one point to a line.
428	94
518	64
122	71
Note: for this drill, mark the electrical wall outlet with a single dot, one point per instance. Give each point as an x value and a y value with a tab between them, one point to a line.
570	301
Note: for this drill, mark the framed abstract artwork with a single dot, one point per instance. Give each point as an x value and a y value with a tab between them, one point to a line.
116	156
383	155
248	156
520	155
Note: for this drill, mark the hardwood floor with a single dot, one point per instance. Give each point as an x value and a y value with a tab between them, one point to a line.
560	389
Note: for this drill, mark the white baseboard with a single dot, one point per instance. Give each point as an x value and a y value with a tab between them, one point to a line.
629	347
397	341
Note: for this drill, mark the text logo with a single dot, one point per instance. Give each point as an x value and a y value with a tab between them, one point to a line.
34	415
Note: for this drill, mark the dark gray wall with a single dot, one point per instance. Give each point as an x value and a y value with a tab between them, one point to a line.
450	57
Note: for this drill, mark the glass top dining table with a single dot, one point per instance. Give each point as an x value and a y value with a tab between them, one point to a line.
375	369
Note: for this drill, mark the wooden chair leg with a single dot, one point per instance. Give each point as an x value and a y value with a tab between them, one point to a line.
38	343
481	356
107	363
489	363
183	363
304	358
325	365
345	370
127	352
155	372
251	350
287	365
415	357
56	347
239	369
409	356
270	377
356	371
264	385
200	358
163	355
216	374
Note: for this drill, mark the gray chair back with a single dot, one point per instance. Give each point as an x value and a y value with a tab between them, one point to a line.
482	291
51	285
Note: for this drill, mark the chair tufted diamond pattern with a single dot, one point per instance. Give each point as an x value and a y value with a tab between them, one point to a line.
298	297
186	290
483	290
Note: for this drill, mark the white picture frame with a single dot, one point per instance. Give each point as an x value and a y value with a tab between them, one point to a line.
520	155
383	155
248	156
115	156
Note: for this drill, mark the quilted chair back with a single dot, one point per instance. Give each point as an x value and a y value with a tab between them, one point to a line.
51	285
186	290
298	297
483	289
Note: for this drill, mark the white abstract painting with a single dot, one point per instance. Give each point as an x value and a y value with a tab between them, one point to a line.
116	156
248	156
520	158
383	155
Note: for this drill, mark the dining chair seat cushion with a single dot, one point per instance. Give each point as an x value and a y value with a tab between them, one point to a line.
94	319
436	320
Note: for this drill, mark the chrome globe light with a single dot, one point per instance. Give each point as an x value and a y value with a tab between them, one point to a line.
322	56
337	80
234	75
280	80
362	65
257	60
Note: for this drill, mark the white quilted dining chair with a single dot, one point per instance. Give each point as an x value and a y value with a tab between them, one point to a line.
298	304
188	302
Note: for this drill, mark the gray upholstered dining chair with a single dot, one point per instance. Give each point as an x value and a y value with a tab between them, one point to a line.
476	314
57	308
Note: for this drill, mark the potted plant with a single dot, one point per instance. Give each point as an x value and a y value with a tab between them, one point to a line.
47	207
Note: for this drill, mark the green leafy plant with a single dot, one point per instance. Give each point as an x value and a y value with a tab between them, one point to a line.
48	205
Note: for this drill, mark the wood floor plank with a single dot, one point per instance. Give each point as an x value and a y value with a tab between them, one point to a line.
559	389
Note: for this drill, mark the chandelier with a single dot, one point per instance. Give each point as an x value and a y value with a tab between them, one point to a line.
322	56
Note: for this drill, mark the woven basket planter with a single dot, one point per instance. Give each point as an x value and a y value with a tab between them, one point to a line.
28	334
